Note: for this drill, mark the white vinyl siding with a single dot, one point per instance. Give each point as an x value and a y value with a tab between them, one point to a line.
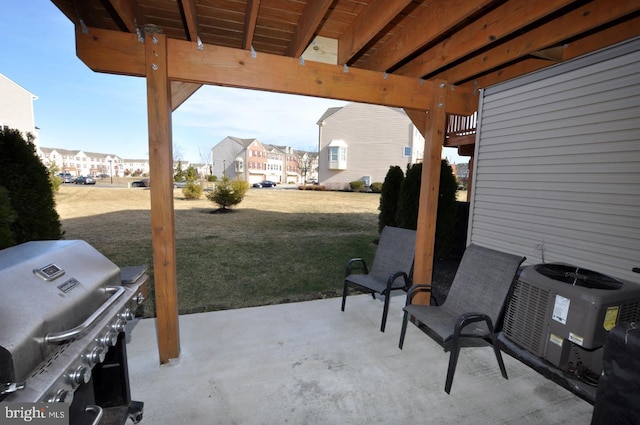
558	164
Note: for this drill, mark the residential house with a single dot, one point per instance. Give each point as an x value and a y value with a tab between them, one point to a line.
276	159
135	167
16	108
82	163
245	159
360	142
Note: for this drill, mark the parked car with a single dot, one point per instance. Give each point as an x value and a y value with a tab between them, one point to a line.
179	184
265	183
84	180
66	177
141	183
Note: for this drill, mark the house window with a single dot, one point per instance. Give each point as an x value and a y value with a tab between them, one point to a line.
337	150
239	166
406	151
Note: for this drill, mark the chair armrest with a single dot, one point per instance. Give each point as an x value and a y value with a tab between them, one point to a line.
392	278
416	289
355	263
471	317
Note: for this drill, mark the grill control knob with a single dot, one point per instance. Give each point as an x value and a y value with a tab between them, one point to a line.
96	355
109	339
62	396
119	325
127	314
80	376
139	298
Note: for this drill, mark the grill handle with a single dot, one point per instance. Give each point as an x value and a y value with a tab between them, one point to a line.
57	337
92	408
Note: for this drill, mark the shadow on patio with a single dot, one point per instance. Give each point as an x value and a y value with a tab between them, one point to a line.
309	363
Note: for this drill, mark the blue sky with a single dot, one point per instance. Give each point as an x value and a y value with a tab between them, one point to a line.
81	109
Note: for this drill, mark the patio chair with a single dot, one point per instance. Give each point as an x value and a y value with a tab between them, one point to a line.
390	270
472	308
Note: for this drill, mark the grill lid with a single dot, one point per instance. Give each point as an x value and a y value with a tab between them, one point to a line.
47	287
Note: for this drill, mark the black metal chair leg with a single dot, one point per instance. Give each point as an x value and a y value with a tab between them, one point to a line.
385	310
453	361
404	329
345	289
503	370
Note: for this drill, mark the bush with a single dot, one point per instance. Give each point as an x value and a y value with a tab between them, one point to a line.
409	198
228	193
29	189
212	179
447	211
7	217
376	187
389	197
192	190
357	185
311	187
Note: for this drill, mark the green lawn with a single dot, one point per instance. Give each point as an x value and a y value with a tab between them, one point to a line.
279	245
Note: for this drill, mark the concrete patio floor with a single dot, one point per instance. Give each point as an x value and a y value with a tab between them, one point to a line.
310	363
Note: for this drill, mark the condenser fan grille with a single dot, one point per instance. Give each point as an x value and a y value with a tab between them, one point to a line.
524	319
578	277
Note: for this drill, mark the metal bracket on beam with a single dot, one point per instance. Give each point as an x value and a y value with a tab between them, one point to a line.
199	43
385	75
83	27
345	68
301	61
254	54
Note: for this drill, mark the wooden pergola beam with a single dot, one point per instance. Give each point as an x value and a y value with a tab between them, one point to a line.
422	29
250	19
495	25
191	18
574	23
122	53
623	31
369	23
307	26
128	13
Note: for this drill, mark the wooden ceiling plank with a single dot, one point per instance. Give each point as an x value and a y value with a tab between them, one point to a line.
367	25
574	23
605	38
250	19
307	26
495	25
128	12
191	18
432	21
181	91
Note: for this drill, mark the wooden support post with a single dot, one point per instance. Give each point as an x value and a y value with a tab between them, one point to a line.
436	125
162	214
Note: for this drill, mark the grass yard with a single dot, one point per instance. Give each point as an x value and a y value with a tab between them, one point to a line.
279	245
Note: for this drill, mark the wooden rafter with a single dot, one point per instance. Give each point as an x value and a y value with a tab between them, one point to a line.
578	21
493	26
127	11
433	20
369	23
607	37
191	18
251	17
307	26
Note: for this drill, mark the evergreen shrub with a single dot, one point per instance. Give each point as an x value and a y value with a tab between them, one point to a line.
29	190
389	193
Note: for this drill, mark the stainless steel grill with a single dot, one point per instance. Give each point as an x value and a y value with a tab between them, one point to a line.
63	311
